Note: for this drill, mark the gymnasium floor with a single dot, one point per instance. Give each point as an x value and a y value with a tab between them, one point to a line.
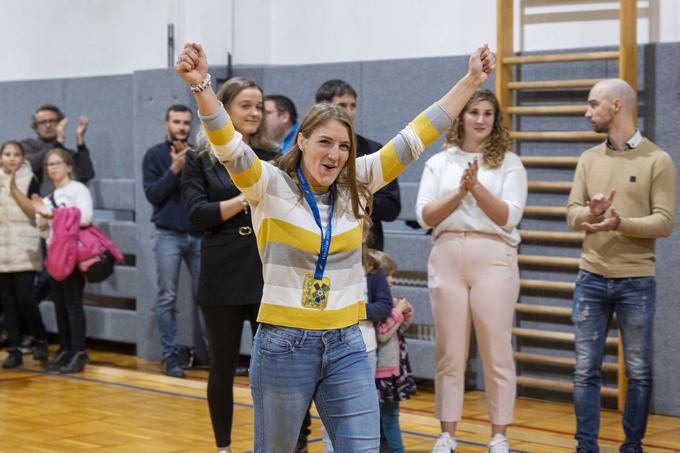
123	404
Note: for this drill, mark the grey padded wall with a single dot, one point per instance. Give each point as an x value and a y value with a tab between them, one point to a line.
106	101
126	114
152	93
662	96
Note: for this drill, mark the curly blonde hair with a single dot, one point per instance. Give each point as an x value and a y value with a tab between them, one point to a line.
497	143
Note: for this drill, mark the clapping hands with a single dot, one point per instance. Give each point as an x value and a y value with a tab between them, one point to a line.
83	122
599	204
401	304
178	153
39	206
469	179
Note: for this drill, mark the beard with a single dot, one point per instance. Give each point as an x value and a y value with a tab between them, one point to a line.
178	137
600	128
604	124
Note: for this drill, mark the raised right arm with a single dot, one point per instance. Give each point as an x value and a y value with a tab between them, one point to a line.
247	171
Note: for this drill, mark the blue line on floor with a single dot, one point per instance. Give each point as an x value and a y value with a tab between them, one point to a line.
202	398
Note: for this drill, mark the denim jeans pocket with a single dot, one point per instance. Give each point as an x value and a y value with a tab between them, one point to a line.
641	283
277	340
352	338
276	346
582	276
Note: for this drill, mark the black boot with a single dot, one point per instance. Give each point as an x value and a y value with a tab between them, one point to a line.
14	359
40	350
63	357
76	364
173	368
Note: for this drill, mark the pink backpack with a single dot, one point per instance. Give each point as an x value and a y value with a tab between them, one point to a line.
86	247
96	254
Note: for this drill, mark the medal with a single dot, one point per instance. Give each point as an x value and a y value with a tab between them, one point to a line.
315	292
316	287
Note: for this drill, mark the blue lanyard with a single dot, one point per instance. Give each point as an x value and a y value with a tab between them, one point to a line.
325	239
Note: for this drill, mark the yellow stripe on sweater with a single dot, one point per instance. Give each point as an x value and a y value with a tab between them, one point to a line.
275	230
391	167
424	129
248	177
302	318
221	136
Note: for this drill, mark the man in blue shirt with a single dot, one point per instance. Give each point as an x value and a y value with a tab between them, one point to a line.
176	239
282	124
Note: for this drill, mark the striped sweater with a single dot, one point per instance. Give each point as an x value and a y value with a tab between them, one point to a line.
288	238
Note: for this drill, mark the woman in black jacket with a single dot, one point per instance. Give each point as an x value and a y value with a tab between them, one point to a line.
228	248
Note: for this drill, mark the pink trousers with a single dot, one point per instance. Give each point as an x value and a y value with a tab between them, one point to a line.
473	279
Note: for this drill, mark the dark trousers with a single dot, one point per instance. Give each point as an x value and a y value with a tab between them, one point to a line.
16	294
68	305
224	325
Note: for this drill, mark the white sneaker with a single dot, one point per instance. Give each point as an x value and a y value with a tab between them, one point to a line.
445	444
499	444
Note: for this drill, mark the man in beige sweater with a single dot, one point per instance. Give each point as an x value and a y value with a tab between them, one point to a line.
624	196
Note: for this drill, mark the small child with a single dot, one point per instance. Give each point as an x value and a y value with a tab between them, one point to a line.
394	378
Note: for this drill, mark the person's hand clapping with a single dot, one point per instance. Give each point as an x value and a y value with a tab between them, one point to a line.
13	182
61	130
608	224
178	153
81	129
39	206
192	64
469	180
401	304
600	203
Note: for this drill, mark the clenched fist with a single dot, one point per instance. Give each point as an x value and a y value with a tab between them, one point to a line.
192	64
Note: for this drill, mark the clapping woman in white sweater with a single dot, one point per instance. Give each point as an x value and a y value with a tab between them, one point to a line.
473	194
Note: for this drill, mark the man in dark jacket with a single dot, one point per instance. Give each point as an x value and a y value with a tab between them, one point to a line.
176	238
49	123
386	201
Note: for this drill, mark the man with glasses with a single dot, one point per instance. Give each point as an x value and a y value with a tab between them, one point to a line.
49	124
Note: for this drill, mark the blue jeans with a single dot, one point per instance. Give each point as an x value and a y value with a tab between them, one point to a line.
389	419
291	367
373	364
596	298
171	248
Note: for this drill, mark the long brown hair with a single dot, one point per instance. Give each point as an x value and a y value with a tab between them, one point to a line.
226	94
497	143
346	183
